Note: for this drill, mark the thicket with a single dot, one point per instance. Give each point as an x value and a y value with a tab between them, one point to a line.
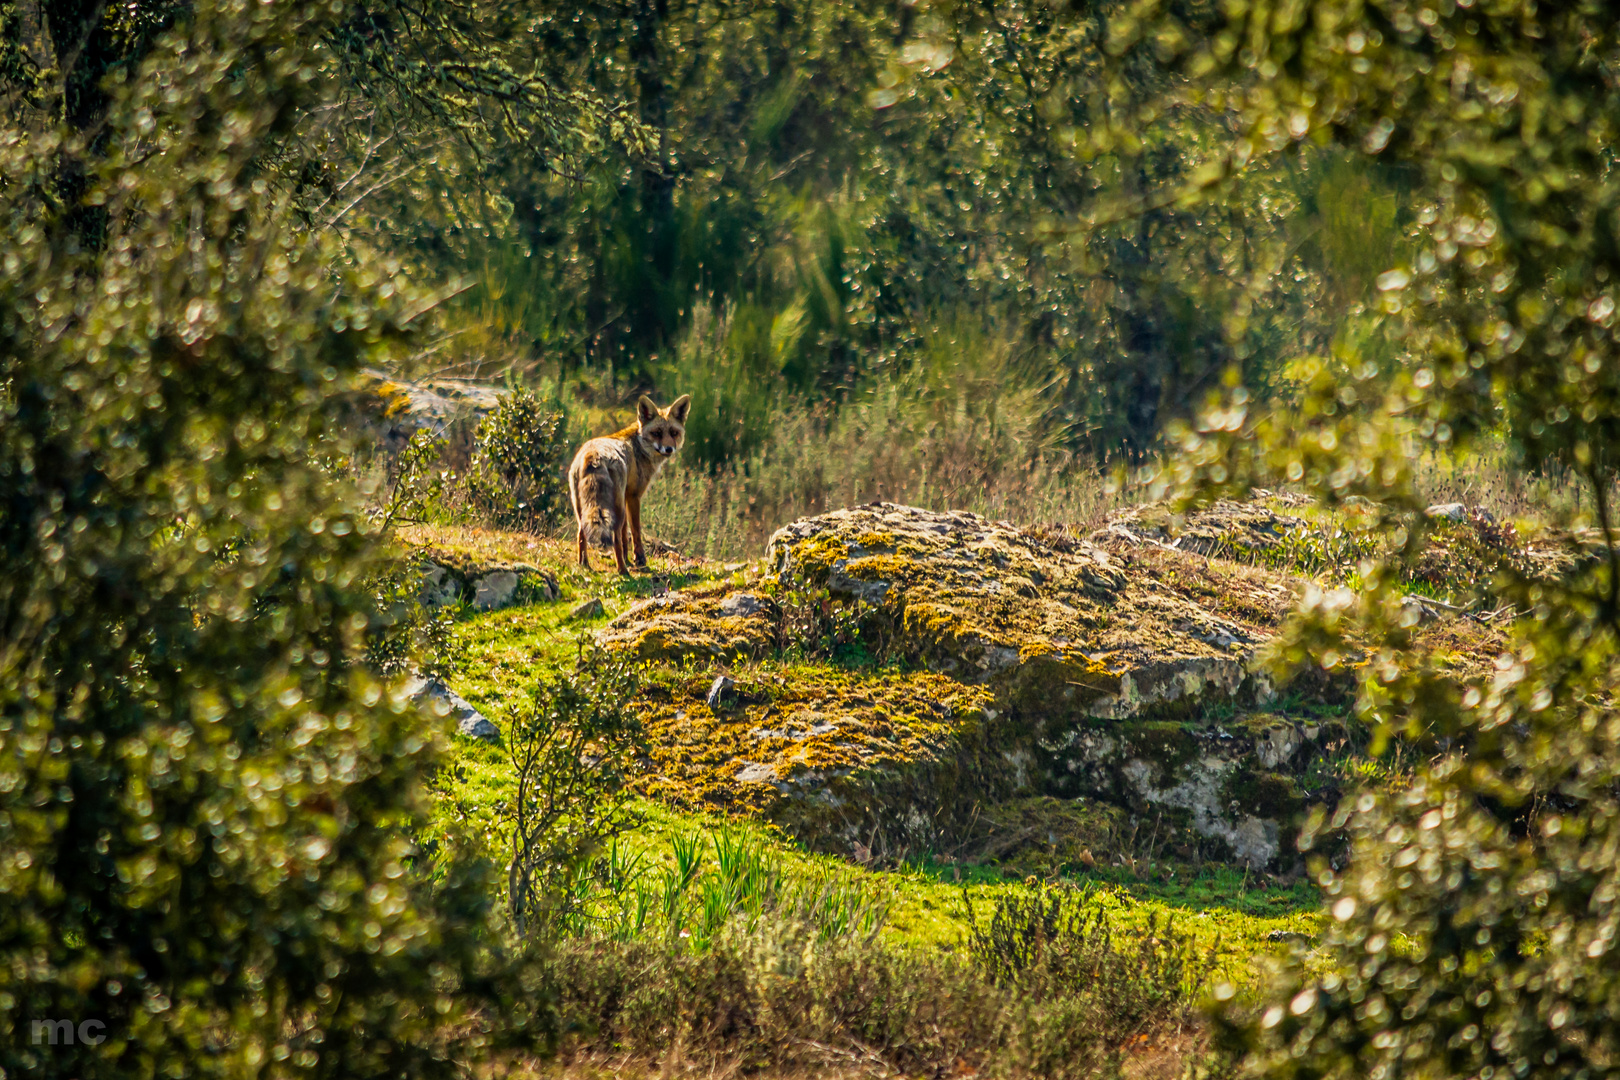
207	799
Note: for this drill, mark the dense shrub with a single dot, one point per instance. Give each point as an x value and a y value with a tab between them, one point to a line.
517	476
204	798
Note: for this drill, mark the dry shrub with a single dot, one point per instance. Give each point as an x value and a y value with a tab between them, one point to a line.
1045	990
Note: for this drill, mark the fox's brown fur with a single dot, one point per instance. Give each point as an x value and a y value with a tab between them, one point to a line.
610	475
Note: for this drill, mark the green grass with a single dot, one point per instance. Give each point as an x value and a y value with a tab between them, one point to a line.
927	903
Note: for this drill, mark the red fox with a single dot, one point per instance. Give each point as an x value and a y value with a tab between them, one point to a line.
610	475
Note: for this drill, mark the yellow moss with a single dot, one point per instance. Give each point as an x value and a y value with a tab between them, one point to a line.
817	554
881	719
882	568
1038	647
876	539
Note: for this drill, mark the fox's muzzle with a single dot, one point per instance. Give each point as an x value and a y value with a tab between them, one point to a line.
666	450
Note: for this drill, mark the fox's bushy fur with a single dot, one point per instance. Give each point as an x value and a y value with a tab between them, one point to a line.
610	475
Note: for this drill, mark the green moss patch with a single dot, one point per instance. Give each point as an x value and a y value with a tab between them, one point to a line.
788	730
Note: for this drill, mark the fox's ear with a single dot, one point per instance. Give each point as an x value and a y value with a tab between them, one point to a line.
679	408
646	409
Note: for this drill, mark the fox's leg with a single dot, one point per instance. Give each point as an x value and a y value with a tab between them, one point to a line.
584	560
579	518
621	541
635	528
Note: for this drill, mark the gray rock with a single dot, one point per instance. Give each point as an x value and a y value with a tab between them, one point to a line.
486	589
445	702
479	726
753	772
494	590
742	604
587	609
720	688
439	587
1277	747
399	408
1448	511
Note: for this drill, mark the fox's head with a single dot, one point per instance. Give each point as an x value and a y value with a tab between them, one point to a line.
663	429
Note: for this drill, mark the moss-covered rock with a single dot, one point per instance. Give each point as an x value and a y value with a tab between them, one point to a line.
677	627
831	754
1020	665
1236	778
1060	629
1029	665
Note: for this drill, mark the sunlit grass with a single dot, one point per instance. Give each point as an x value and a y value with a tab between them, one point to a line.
925	905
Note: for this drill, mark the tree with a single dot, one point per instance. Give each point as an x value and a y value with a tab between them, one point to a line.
1472	931
206	802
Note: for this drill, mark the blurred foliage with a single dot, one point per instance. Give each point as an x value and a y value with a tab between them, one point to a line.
205	804
1474	926
407	636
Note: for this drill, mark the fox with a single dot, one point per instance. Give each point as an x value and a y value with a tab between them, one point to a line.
609	476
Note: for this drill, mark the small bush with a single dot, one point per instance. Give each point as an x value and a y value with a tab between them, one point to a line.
570	744
517	476
814	626
420	483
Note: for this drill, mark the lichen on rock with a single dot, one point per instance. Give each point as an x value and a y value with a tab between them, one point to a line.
676	627
803	743
1071	629
1013	664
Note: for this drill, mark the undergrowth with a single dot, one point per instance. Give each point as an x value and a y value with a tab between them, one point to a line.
1047	989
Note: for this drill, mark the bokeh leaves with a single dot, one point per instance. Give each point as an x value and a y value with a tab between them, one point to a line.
205	802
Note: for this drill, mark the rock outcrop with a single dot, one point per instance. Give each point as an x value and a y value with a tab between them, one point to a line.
1016	664
1064	630
676	627
891	672
392	409
447	579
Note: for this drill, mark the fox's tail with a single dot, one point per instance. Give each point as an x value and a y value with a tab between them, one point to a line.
597	516
601	525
